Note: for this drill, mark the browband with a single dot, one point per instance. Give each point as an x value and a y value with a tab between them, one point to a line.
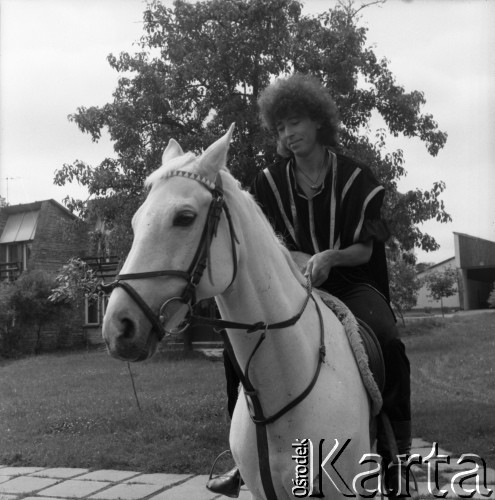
192	175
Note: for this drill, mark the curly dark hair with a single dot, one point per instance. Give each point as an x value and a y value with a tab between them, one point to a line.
302	95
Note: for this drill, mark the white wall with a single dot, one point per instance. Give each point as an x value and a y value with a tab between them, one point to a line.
425	301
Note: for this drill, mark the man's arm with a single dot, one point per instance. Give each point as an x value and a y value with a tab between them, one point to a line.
320	264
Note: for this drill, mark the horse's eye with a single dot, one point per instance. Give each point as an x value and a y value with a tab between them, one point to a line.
184	219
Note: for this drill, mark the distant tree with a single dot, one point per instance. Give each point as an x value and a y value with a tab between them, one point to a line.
404	286
202	65
442	284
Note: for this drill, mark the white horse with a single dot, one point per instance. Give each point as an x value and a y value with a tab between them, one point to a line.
253	279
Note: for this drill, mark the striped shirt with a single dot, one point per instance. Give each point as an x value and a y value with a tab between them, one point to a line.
345	210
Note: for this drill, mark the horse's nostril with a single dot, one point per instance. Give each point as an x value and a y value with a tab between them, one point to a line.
128	329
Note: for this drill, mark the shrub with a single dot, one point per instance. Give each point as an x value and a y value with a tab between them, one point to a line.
25	305
491	297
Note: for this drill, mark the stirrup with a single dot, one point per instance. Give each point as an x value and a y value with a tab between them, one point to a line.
391	493
230	490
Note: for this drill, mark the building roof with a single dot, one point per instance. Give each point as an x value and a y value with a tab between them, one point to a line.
36	205
464	235
22	220
433	266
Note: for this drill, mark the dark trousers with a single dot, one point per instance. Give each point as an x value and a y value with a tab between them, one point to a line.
369	306
232	383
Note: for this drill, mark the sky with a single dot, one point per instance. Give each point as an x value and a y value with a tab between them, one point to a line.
53	60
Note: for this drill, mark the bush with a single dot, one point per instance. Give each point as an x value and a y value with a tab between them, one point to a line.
491	297
9	338
25	306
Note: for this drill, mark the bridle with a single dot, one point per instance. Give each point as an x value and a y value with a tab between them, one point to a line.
196	269
192	277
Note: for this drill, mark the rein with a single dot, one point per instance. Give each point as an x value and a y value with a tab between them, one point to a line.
192	277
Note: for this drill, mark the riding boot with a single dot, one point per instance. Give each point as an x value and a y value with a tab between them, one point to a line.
399	480
228	484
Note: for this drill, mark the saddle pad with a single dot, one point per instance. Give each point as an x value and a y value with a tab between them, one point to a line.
365	348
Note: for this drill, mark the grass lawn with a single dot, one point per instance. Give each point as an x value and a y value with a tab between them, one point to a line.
453	383
78	409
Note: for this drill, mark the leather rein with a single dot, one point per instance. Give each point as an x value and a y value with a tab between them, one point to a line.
192	277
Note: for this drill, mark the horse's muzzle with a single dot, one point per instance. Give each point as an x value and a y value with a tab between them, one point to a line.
125	341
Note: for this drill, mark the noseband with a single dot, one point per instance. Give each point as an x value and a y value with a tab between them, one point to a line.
197	267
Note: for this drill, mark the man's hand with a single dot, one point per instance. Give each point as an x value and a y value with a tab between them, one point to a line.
319	265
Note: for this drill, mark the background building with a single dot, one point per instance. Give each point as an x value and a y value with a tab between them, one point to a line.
475	263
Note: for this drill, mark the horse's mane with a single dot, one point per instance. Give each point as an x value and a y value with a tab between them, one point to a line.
235	196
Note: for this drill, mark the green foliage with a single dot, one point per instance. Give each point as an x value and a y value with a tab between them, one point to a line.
75	281
442	284
491	297
202	66
25	304
8	339
404	285
29	298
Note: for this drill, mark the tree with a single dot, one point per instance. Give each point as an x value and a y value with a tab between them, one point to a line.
442	284
404	286
202	66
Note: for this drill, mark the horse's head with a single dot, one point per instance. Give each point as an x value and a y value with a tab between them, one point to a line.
180	231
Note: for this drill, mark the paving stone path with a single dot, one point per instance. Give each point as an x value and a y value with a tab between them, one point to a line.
38	483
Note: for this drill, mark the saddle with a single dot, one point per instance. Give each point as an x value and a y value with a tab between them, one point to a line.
365	347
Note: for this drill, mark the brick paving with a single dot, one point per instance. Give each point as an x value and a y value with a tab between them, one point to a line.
38	483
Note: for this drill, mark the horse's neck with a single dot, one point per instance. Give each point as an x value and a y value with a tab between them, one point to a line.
267	290
266	287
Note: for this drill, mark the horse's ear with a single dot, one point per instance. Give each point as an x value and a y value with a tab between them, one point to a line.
171	151
215	157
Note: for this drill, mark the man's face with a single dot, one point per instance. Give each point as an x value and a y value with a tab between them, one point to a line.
298	134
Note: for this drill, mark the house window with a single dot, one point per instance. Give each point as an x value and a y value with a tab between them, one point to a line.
14	258
16	242
95	309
